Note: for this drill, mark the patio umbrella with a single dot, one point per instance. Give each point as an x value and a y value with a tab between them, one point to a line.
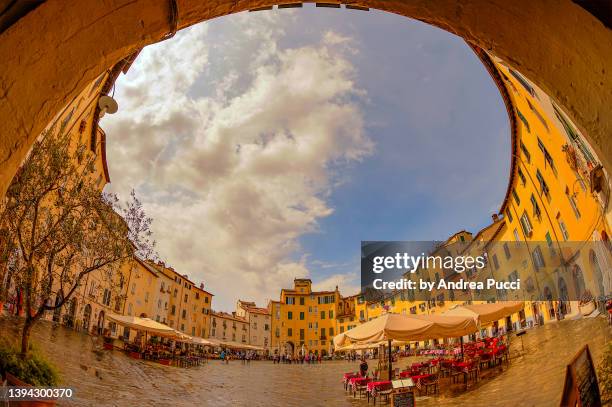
143	324
485	314
389	327
201	341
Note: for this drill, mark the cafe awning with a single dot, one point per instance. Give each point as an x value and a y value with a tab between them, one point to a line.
143	324
407	328
201	341
485	314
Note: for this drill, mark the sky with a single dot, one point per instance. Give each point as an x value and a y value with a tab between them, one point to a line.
266	146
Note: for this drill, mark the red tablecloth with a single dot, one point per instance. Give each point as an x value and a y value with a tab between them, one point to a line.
403	375
359	381
378	385
348	376
418	378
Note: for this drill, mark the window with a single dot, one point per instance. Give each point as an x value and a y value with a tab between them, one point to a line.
146	299
526	224
507	250
509	215
563	229
513	276
573	135
301	316
206	300
522	81
538	259
106	299
572	200
522	176
495	262
516	235
524	120
289	315
186	297
526	152
516	197
290	300
536	207
197	296
133	288
175	293
330	313
547	158
301	300
184	314
173	312
543	186
322	314
331	331
301	335
289	332
538	115
361	315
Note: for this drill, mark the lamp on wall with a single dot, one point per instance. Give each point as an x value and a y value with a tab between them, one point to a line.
107	104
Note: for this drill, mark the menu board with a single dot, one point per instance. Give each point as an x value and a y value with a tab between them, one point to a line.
581	388
402	399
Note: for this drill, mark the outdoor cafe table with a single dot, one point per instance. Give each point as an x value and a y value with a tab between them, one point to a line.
417	378
375	387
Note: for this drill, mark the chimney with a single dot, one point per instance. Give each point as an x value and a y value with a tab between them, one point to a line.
201	286
495	217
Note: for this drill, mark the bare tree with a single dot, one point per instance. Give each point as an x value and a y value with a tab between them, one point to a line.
60	227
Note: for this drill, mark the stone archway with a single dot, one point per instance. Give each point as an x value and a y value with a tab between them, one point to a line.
41	74
597	274
86	317
100	325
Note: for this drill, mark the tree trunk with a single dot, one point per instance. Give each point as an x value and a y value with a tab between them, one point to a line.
25	336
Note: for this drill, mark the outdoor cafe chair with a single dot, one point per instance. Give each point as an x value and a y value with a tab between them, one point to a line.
386	393
360	388
456	372
431	381
474	370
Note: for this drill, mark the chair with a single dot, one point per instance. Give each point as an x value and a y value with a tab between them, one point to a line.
457	371
386	393
474	370
431	381
360	388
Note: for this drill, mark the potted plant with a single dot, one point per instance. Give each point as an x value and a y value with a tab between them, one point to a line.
32	370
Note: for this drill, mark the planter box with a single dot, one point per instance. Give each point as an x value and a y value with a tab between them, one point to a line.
15	381
134	355
164	362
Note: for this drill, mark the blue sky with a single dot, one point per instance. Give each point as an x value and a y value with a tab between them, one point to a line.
277	141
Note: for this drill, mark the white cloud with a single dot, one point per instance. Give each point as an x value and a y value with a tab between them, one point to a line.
236	167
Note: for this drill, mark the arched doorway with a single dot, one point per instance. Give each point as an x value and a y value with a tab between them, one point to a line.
44	78
289	348
597	274
57	312
578	277
549	302
86	317
100	322
563	297
70	316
